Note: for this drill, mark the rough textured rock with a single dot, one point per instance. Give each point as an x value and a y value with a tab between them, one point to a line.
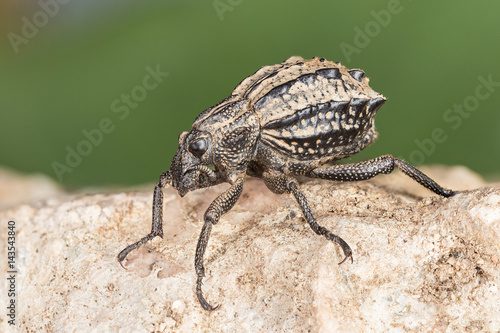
421	262
16	188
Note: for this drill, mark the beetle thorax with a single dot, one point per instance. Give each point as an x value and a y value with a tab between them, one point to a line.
234	128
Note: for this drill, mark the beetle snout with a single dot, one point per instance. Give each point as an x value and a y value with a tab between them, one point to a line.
185	175
190	181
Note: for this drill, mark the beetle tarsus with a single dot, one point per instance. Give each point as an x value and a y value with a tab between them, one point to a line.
422	178
124	253
157	224
201	299
345	247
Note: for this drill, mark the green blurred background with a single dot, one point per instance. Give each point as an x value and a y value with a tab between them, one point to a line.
64	64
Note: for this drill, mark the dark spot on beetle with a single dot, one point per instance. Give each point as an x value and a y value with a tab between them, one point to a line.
329	73
375	104
357	74
358	106
276	92
339	108
307	79
323	107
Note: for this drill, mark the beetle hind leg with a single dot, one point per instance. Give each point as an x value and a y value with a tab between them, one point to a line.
380	165
422	178
281	184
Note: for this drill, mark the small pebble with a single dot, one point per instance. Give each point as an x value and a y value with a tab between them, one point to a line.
178	306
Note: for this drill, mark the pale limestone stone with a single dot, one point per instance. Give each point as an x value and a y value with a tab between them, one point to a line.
17	188
420	264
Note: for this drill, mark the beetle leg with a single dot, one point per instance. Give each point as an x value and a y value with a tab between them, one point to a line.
301	199
422	178
280	184
219	206
157	225
277	183
383	164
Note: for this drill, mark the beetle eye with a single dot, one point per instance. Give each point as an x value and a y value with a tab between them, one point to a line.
198	147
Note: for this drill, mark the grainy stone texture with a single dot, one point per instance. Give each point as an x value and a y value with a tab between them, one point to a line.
421	262
18	188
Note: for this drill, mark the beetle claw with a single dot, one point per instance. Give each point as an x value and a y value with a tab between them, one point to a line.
347	256
202	300
121	264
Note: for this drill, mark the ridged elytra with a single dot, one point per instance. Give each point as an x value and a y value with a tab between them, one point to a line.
286	120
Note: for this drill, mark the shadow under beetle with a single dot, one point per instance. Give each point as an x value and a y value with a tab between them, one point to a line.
286	120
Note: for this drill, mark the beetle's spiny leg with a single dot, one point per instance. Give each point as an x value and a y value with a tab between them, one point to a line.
422	178
301	199
369	169
200	269
219	206
157	223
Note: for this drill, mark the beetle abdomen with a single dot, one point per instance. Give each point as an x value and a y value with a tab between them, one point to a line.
312	108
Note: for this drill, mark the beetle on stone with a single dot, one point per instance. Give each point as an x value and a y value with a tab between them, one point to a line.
287	120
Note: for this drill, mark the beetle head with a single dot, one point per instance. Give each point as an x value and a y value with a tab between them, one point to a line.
189	166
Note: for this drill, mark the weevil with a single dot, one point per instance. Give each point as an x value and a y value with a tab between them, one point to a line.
296	118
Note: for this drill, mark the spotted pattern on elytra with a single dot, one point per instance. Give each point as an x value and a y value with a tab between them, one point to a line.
316	114
323	129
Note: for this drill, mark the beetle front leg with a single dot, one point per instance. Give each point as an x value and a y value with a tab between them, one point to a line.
219	206
369	169
157	225
280	184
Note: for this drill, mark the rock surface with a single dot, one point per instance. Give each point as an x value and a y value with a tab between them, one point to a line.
421	262
16	188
